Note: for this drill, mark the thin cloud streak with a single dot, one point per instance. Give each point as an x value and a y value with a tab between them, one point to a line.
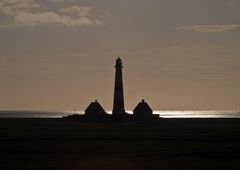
209	28
141	34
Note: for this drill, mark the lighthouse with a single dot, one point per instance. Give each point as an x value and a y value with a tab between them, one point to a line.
96	113
118	101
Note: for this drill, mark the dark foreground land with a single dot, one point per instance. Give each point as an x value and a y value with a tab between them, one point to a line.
44	144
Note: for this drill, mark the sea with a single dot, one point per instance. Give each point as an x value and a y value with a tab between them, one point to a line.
163	114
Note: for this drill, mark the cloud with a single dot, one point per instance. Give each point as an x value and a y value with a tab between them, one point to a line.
60	1
81	11
29	13
14	7
33	19
209	28
56	1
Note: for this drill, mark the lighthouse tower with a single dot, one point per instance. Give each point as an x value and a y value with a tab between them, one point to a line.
118	102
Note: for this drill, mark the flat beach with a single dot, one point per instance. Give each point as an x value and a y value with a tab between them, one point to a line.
45	144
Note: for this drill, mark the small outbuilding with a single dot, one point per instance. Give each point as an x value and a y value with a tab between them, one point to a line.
95	110
143	110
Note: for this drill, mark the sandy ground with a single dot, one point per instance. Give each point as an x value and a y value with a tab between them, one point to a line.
46	144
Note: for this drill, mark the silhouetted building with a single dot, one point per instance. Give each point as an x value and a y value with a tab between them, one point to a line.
95	110
96	113
118	102
143	110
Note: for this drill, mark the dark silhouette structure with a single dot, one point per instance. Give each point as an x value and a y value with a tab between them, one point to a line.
118	101
143	111
95	111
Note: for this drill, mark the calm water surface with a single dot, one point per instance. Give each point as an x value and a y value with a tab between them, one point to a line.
163	114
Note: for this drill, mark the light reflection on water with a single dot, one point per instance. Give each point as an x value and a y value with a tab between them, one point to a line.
163	114
197	114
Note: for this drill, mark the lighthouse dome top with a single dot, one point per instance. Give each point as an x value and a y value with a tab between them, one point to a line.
118	63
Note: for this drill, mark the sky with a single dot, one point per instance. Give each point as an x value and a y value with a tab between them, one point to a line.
177	54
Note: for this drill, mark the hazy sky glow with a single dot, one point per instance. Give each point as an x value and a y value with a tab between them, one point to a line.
177	54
